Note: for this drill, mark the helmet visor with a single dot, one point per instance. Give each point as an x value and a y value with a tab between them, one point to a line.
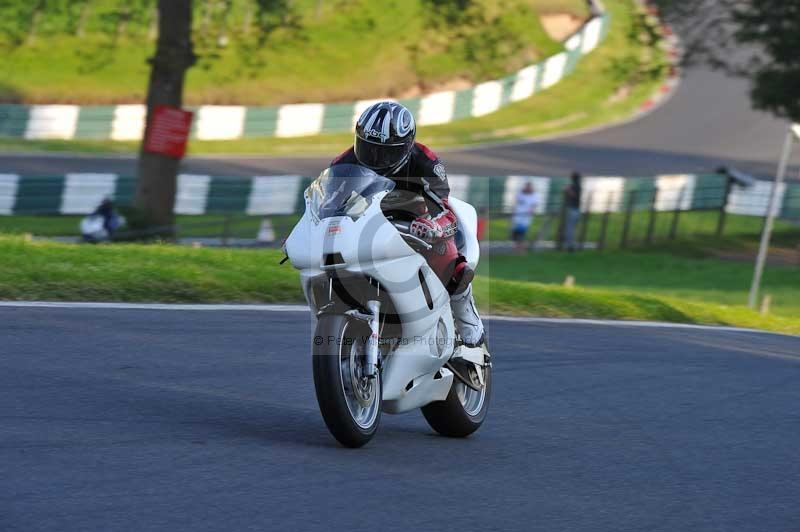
380	156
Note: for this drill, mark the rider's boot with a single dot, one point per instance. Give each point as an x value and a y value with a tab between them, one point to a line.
468	322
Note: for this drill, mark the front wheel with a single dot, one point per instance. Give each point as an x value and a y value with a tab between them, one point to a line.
464	409
349	401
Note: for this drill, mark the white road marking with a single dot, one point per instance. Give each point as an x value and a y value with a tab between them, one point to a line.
304	308
631	323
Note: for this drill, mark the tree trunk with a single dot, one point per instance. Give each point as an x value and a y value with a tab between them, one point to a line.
155	190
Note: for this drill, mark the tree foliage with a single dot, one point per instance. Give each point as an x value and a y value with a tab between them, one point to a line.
214	20
755	39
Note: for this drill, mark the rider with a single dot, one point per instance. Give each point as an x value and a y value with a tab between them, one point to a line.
385	143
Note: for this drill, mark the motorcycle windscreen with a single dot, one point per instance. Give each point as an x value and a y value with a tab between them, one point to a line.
345	190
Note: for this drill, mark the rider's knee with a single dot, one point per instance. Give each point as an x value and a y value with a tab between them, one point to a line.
461	276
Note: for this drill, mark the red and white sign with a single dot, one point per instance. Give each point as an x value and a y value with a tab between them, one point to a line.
169	131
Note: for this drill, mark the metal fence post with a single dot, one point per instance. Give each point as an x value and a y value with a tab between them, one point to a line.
226	229
562	215
585	222
601	241
723	207
628	215
773	209
651	225
547	220
673	230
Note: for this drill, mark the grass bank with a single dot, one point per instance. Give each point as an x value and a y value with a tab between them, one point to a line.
267	53
703	280
50	271
695	231
608	85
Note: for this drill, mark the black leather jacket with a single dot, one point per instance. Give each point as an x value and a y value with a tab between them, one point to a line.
424	173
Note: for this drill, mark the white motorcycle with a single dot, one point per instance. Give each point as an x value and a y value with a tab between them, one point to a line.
385	339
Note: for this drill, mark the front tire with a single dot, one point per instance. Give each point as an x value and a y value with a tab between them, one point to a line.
349	402
463	411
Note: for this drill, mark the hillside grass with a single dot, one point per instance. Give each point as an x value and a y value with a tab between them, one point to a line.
39	270
287	51
609	85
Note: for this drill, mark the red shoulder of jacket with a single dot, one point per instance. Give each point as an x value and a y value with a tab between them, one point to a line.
348	152
429	153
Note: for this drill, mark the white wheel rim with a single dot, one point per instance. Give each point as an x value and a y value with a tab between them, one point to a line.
360	394
471	400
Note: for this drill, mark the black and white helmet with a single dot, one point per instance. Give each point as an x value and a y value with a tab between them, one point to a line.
385	136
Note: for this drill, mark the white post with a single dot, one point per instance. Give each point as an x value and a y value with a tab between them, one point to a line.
772	210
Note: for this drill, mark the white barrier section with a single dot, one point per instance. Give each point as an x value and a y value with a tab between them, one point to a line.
274	194
9	183
554	70
459	186
675	191
227	122
438	108
220	122
515	183
52	122
192	194
753	200
591	35
128	122
525	85
486	98
84	192
300	120
602	193
573	42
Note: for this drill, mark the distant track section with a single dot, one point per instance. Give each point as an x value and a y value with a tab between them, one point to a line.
229	122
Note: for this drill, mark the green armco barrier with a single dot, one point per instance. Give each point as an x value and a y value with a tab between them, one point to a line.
640	193
791	201
264	195
39	195
706	195
126	122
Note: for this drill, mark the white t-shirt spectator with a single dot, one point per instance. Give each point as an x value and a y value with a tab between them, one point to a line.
524	208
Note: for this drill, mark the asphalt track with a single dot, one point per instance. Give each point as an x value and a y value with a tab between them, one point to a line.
707	122
183	420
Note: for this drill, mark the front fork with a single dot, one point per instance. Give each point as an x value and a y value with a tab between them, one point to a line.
373	319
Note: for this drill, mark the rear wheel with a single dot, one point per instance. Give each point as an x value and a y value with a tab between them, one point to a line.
349	401
464	409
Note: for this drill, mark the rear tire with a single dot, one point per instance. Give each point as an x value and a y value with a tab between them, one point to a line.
462	412
350	406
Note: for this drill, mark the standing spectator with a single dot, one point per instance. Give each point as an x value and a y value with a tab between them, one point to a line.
572	206
524	207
